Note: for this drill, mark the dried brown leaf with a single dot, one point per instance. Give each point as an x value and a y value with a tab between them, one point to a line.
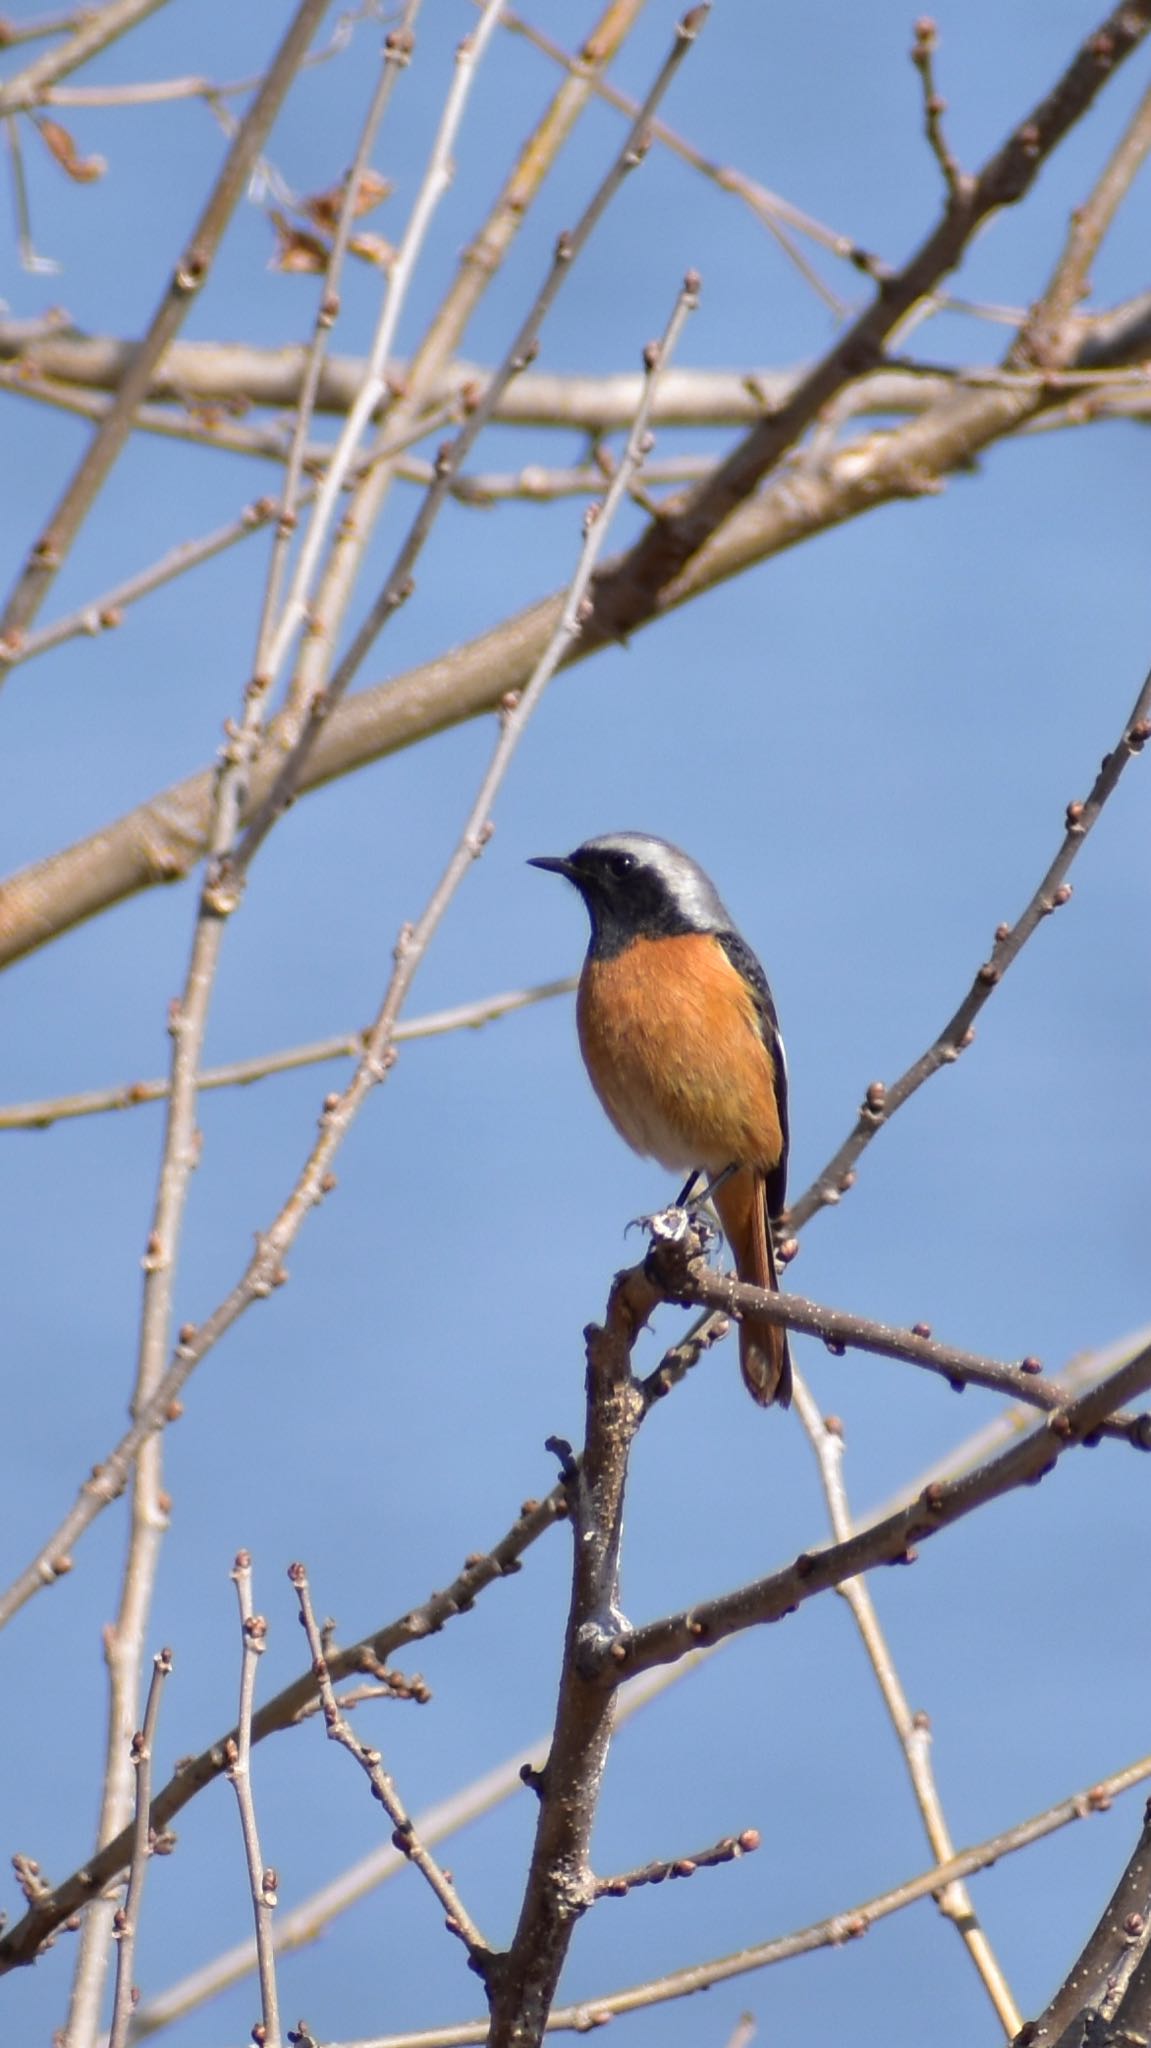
82	169
373	249
323	208
297	251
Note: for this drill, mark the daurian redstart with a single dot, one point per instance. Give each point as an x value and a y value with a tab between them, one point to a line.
680	1039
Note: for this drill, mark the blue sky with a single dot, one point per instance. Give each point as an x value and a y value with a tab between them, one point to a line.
869	743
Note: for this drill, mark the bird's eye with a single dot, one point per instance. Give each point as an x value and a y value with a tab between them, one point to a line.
621	863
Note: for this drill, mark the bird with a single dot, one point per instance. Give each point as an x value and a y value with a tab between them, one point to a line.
680	1038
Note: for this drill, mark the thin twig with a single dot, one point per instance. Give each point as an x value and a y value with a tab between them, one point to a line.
839	1928
265	1269
30	260
770	208
1088	227
743	2033
22	1942
890	1541
398	583
912	1729
923	57
13	33
55	1905
179	1156
478	267
296	1701
726	1850
1084	1371
102	613
406	1838
186	1023
1097	1987
686	1277
305	1922
432	189
262	1879
1053	891
164	837
153	92
38	1116
93	29
398	45
50	550
638	586
126	1923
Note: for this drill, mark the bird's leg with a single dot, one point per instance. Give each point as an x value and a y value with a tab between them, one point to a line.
694	1201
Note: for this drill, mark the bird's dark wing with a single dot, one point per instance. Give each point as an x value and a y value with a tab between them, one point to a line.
748	968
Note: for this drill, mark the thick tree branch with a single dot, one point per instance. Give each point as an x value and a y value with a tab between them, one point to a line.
561	1885
163	838
635	590
217	373
1094	1992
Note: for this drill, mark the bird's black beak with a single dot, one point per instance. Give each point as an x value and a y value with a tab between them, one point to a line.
555	864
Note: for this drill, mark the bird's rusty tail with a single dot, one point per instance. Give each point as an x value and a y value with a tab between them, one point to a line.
764	1352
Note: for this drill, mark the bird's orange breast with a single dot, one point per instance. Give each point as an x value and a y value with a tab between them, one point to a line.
670	1038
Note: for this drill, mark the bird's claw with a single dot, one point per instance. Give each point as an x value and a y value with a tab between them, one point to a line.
672	1226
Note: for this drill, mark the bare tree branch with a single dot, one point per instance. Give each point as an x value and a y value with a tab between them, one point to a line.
727	1850
431	191
891	1541
1095	1992
163	838
50	551
849	1925
635	590
262	1879
38	1116
1052	893
92	29
913	1730
52	1906
406	1840
479	264
561	1885
317	708
126	1922
275	624
685	1276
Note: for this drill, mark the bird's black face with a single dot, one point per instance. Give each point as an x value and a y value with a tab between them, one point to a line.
635	887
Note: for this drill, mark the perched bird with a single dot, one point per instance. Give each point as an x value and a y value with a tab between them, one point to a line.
680	1039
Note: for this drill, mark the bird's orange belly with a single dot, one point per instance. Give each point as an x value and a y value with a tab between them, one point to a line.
670	1038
